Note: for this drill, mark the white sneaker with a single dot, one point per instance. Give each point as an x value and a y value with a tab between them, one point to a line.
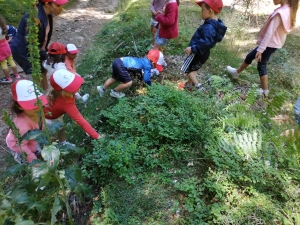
85	98
200	87
116	94
63	143
233	72
101	91
263	92
77	96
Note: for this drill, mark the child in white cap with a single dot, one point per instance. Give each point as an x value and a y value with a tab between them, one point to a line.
56	59
27	118
62	101
121	67
70	58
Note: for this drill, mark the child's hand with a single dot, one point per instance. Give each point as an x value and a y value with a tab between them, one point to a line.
188	50
258	56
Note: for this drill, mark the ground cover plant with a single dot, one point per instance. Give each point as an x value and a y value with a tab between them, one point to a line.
177	157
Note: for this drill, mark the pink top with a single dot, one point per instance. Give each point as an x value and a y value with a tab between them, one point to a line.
273	33
4	49
168	22
70	64
156	6
67	105
24	123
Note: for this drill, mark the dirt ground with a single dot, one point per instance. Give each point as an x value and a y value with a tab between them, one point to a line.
78	25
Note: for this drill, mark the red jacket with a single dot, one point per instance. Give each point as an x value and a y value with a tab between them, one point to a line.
168	22
63	105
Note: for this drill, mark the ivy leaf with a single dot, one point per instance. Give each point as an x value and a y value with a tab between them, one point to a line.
21	196
55	127
37	135
5	204
25	222
73	175
65	149
55	209
39	171
51	154
13	170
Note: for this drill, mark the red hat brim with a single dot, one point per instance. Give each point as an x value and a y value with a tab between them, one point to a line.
31	104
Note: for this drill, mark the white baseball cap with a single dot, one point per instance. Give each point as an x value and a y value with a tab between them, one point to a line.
23	93
62	79
71	48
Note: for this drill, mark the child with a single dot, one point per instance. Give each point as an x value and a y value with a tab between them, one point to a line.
61	101
271	37
168	24
6	55
155	7
11	32
28	118
205	38
56	60
19	45
121	66
70	58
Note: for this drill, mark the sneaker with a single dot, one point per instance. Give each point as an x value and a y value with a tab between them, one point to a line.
116	94
85	98
233	72
101	91
263	92
15	76
187	87
200	87
4	80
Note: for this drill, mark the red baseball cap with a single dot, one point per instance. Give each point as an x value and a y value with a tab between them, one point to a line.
58	2
23	93
158	58
64	80
57	48
71	48
215	5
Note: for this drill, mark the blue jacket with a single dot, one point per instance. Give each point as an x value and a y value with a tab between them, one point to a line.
140	64
19	45
206	37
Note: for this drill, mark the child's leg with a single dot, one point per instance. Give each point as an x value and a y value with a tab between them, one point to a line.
13	65
108	83
123	86
242	67
192	80
62	135
5	68
153	32
264	82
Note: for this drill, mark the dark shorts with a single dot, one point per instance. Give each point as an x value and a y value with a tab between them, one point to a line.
120	73
25	64
265	57
194	62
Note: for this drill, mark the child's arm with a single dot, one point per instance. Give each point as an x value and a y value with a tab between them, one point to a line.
152	8
147	76
170	16
73	112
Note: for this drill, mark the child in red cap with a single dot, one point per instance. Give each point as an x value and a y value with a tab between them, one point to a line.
205	38
121	67
61	100
56	59
70	58
27	118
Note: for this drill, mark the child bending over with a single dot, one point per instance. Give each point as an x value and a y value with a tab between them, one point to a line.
120	69
62	101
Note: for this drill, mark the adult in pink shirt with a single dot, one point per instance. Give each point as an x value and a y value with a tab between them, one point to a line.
271	37
27	118
168	24
62	100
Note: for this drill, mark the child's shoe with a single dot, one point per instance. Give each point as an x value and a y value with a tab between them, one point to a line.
101	91
85	98
263	92
116	94
63	143
200	87
233	72
5	80
77	96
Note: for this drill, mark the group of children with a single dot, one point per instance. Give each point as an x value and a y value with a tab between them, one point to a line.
65	82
